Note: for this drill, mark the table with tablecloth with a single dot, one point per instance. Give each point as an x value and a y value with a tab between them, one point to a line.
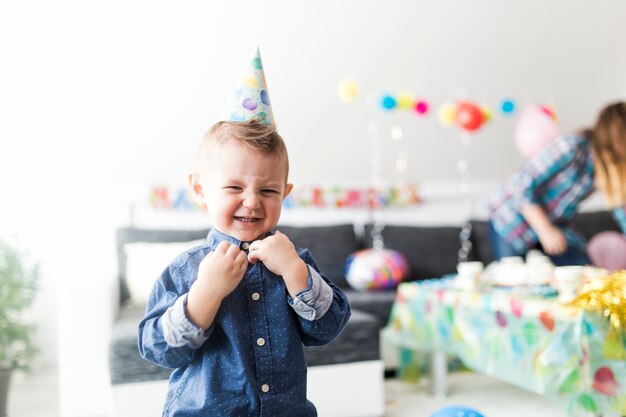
519	336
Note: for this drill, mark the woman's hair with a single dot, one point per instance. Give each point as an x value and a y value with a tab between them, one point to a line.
608	138
252	133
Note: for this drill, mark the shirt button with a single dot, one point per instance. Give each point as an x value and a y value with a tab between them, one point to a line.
245	245
260	341
265	388
255	296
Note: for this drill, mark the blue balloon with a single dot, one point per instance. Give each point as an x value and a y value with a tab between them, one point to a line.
388	102
456	411
507	106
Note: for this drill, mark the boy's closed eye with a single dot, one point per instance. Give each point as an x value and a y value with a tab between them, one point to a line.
233	188
270	191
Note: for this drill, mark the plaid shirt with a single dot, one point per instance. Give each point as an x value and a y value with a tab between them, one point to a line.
557	180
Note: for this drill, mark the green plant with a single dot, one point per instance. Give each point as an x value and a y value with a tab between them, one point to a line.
18	287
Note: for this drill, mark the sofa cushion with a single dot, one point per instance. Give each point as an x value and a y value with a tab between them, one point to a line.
357	342
377	303
130	234
145	261
590	223
482	250
329	245
125	363
431	251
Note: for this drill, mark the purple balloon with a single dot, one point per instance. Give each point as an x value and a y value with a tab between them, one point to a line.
608	250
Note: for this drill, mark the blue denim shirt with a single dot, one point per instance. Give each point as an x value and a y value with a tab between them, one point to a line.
250	362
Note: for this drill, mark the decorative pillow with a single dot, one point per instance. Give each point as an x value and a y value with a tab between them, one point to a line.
376	269
145	261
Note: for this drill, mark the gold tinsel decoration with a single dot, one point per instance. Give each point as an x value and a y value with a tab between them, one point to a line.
607	296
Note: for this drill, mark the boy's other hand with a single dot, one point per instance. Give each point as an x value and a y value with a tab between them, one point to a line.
279	256
276	252
221	270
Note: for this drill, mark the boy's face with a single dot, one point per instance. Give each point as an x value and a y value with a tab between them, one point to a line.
242	189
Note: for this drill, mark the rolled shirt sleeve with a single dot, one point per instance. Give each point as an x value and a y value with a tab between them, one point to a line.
313	302
178	330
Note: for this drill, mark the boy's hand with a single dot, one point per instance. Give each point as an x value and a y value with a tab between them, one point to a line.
279	256
221	270
219	274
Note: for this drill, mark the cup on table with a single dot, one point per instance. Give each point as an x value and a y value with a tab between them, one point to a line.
540	269
511	271
468	274
568	280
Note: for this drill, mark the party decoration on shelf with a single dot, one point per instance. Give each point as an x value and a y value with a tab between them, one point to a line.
456	411
376	269
347	90
507	107
353	197
469	116
250	98
534	130
172	198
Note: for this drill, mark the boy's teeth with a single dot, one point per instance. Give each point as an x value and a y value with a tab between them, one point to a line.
247	219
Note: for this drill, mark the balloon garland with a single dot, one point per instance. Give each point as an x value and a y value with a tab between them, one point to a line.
470	115
469	118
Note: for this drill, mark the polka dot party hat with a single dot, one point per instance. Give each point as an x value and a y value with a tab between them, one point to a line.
250	98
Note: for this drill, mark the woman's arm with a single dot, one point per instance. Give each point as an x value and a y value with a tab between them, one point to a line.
551	237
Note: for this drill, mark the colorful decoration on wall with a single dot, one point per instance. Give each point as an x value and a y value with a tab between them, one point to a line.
549	110
468	120
447	114
507	106
387	102
347	90
421	107
534	129
469	117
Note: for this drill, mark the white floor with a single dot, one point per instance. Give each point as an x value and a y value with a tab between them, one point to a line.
36	395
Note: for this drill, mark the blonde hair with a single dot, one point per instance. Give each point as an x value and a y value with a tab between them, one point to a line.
608	139
252	133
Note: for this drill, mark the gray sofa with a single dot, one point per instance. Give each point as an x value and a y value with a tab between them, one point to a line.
431	252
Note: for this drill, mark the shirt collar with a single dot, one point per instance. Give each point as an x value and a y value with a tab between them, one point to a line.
215	237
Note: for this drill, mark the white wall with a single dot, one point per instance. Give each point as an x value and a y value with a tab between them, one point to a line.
99	100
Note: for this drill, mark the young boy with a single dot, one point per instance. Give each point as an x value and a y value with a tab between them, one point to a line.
231	317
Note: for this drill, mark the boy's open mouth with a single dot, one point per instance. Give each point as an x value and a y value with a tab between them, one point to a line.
247	219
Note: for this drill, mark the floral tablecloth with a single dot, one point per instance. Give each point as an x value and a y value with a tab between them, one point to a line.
528	340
